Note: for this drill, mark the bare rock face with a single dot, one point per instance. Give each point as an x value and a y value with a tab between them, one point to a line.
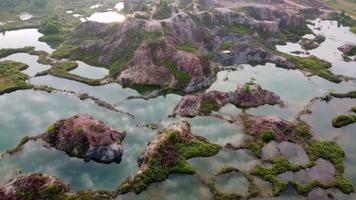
84	137
247	96
33	187
346	48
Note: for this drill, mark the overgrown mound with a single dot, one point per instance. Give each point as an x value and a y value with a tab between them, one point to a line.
11	77
167	154
84	137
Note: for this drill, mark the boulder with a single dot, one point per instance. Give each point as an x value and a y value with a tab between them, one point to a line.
84	137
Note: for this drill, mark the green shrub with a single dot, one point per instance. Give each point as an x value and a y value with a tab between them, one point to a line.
208	105
267	135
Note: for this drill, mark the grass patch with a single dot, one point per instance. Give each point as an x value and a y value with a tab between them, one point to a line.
11	77
7	52
187	47
208	105
182	77
170	158
242	29
343	120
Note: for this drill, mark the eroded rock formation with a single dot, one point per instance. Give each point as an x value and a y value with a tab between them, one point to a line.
84	137
33	187
247	96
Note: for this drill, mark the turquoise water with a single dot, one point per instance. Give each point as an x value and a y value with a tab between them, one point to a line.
28	113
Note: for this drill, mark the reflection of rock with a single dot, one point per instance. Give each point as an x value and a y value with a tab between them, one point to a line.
323	172
294	152
33	186
84	137
246	96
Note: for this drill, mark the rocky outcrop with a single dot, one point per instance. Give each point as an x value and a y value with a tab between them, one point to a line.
247	96
283	129
182	130
167	154
244	52
33	187
175	52
84	137
348	49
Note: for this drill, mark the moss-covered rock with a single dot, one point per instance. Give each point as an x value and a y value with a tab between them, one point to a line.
167	154
343	120
84	137
11	77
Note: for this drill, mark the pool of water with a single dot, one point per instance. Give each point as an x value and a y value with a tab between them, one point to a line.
106	17
321	123
279	81
30	60
244	160
232	182
336	36
28	113
174	188
22	38
89	71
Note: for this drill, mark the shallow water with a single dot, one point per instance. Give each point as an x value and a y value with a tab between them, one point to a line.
279	81
321	124
22	38
106	17
244	160
233	182
174	188
30	60
89	71
28	113
336	36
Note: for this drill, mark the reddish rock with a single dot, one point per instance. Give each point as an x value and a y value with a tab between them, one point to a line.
84	137
33	186
246	96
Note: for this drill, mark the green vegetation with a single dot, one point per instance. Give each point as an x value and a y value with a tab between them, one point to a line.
279	165
7	52
343	120
11	77
225	46
53	31
187	47
352	51
308	44
170	158
267	135
315	66
163	10
208	105
344	19
242	29
293	34
62	69
218	195
182	77
351	94
19	147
